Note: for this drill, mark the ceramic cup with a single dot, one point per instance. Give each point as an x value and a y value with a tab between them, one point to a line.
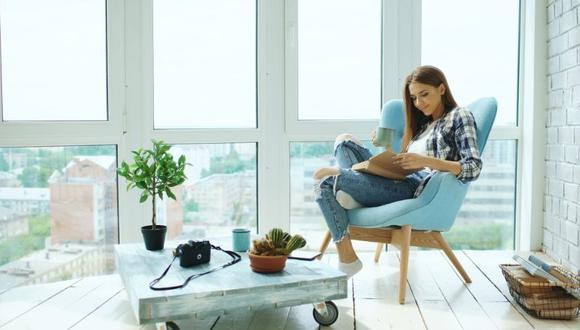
384	137
241	239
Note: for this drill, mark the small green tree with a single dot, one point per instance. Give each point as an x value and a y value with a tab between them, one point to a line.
191	206
155	172
35	177
3	163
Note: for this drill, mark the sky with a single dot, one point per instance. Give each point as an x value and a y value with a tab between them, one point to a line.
54	64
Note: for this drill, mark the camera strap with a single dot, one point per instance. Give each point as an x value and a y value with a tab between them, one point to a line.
235	259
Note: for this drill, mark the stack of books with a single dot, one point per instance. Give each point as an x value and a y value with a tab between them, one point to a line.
544	290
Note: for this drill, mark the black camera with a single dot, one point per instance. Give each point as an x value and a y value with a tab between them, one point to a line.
193	253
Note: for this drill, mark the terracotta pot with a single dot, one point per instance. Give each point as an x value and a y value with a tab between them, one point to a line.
267	264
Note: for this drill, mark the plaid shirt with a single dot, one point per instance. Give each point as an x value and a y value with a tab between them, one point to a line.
454	138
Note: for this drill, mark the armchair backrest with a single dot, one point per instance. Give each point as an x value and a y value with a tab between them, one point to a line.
393	117
484	111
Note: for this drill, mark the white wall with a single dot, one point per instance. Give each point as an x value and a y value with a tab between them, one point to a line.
562	180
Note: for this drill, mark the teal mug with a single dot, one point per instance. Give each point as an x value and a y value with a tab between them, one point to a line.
384	137
240	239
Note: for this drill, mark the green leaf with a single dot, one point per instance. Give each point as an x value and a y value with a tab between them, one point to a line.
144	197
154	167
169	193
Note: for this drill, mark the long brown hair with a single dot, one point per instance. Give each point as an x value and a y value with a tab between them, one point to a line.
414	118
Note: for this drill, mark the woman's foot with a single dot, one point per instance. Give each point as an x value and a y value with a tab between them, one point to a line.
351	268
325	172
346	201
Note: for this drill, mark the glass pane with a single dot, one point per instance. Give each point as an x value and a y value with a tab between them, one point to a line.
219	194
54	57
339	59
485	221
205	64
486	218
305	216
58	213
479	59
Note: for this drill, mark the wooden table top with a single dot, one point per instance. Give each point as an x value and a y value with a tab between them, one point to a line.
227	290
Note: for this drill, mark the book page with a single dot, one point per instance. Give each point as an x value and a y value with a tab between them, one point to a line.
382	165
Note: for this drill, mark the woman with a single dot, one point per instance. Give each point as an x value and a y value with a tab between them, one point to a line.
438	136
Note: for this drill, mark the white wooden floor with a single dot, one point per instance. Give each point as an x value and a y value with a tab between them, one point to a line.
436	299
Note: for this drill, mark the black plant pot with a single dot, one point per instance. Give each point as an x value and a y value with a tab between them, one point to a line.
154	239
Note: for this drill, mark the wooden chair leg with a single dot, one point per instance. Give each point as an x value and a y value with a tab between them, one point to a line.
447	249
324	244
378	251
404	241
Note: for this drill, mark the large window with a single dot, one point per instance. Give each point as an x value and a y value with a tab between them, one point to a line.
58	213
486	218
54	60
305	215
339	59
250	91
220	193
58	152
205	63
480	60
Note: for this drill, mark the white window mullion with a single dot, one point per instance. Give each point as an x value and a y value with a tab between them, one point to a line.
52	133
273	154
532	104
401	44
132	214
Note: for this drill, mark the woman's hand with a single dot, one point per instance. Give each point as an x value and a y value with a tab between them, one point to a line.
411	161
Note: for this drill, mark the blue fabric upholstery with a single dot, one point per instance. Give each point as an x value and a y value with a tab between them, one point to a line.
437	206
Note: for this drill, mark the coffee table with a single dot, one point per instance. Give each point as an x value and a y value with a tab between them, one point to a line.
233	289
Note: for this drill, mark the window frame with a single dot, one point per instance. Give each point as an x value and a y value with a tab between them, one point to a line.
532	102
130	108
515	133
55	133
140	117
395	30
52	133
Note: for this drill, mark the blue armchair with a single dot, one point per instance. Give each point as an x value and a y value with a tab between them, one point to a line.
418	221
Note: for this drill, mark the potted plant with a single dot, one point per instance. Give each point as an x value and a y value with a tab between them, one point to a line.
269	254
155	172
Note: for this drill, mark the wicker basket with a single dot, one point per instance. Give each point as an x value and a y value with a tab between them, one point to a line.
542	298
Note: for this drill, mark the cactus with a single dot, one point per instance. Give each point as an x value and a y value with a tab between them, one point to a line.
286	239
276	235
277	242
262	245
295	242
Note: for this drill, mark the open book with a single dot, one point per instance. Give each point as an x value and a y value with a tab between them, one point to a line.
382	165
533	269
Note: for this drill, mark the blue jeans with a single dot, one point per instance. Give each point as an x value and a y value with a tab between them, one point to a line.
369	190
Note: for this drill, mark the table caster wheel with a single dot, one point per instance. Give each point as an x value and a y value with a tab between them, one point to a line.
172	325
328	318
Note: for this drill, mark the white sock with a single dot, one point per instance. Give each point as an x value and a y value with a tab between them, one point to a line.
346	201
351	268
